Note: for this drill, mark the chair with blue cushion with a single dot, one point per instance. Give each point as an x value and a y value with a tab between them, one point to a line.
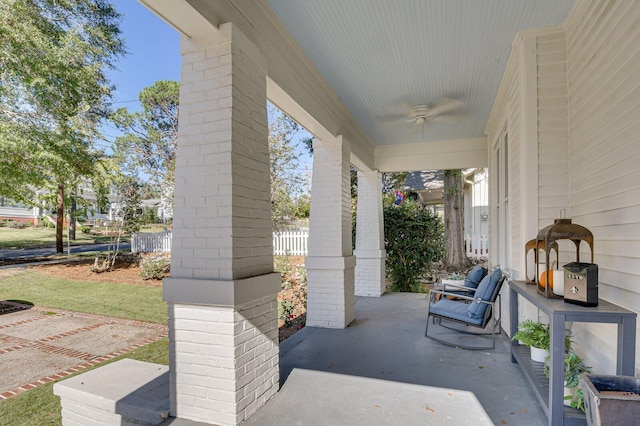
474	277
465	314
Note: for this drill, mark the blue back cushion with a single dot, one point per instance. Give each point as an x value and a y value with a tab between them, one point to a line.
486	288
475	275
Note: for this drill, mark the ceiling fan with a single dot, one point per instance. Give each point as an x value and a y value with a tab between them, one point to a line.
438	111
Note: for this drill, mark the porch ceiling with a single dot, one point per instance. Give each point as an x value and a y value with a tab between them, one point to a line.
355	67
381	57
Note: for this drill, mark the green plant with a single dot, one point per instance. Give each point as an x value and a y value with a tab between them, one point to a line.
456	276
154	267
573	366
414	241
534	334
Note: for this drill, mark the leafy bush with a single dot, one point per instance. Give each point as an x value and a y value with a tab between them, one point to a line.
86	229
154	266
14	224
414	241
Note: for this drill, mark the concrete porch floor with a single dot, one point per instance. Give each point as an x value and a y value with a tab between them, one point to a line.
382	371
332	371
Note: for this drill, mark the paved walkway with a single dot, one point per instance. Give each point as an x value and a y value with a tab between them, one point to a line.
40	345
50	251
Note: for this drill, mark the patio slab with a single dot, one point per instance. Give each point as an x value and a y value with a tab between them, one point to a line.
386	343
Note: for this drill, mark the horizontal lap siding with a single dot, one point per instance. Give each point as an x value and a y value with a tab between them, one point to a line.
515	198
553	161
603	43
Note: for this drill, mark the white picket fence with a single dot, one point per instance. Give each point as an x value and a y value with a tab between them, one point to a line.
476	245
146	242
291	243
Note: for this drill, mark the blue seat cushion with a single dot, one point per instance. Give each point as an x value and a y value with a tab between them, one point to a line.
455	310
475	275
484	291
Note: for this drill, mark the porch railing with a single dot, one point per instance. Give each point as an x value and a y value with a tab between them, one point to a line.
476	245
291	242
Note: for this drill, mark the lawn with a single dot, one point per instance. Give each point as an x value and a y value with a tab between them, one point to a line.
114	300
11	238
40	406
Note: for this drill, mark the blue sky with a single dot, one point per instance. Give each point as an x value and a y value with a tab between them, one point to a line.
153	54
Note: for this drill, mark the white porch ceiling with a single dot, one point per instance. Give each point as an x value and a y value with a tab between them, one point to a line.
381	57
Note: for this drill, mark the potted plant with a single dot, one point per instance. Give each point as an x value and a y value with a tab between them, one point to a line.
573	366
535	335
454	278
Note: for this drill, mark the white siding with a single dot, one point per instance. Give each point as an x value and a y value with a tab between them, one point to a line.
603	45
553	172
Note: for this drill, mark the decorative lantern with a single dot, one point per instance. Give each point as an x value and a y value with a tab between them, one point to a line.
562	229
531	245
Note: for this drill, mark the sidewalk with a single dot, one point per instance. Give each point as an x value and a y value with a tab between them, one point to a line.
39	345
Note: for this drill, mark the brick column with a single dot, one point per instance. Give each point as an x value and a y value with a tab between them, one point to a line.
330	263
370	236
222	291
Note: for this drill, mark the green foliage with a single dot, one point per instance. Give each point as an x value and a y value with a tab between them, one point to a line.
414	241
151	135
534	334
54	89
154	267
287	182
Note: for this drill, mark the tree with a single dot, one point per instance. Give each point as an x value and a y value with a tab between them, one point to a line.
287	183
53	92
455	258
151	136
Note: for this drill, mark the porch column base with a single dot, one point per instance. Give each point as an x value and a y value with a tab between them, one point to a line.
330	297
370	273
223	347
127	392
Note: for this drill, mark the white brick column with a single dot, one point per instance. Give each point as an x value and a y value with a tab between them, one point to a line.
370	251
330	263
222	291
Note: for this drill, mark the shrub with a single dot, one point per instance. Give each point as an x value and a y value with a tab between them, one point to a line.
86	229
14	224
414	241
154	266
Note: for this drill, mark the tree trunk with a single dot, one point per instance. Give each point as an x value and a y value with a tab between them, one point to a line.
455	257
72	219
60	220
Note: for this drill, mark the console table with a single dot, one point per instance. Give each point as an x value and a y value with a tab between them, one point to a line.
550	393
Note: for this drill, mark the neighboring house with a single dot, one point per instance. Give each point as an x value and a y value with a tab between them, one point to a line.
556	121
429	186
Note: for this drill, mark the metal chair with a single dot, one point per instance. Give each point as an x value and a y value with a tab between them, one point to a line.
463	314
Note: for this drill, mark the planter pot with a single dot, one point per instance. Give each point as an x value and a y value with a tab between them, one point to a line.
568	392
459	283
538	354
611	400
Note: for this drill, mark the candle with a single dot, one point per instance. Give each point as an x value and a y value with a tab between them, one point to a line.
558	282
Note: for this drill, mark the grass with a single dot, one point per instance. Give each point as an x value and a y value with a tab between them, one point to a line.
114	300
43	237
40	406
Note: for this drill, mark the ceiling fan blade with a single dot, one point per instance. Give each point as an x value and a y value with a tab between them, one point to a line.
447	118
444	105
